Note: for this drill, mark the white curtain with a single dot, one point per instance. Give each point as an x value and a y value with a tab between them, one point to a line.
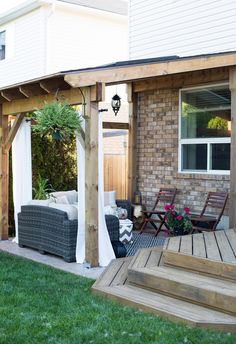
106	253
80	246
21	169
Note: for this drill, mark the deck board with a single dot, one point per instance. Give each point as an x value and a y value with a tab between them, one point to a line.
224	247
121	276
199	249
174	244
231	235
109	274
212	250
154	258
186	245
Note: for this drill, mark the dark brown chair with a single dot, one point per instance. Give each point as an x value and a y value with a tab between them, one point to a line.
164	196
216	201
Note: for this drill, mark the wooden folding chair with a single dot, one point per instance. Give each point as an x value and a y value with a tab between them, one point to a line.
215	201
164	196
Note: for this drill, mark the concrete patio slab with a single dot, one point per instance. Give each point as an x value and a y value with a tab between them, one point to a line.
53	261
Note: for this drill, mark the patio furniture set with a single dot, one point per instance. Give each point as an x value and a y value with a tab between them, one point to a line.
215	204
51	227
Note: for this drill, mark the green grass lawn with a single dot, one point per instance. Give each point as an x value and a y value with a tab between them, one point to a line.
39	304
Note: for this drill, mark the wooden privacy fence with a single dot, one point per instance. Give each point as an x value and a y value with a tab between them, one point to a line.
115	174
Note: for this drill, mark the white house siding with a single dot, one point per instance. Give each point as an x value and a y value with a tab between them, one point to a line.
26	58
181	27
80	37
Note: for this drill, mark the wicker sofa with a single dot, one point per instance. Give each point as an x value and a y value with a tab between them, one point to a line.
49	230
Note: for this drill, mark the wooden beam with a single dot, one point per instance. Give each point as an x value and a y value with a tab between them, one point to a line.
232	203
54	84
31	90
135	72
13	131
91	181
97	92
12	94
4	178
115	125
132	146
182	80
72	96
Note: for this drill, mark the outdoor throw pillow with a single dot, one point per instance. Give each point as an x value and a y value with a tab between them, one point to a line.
110	198
72	196
108	210
62	200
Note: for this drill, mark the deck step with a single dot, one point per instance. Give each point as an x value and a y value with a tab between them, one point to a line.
212	253
168	307
193	287
148	257
115	273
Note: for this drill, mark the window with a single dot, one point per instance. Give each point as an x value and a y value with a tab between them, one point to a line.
2	45
205	129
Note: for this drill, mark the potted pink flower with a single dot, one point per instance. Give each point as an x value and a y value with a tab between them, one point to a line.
178	222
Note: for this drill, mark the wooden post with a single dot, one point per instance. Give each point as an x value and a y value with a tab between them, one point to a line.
4	177
132	146
232	204
91	181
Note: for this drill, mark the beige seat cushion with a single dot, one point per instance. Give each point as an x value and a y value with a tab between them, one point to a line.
71	210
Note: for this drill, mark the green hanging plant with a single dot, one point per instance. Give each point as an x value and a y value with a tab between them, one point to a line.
60	120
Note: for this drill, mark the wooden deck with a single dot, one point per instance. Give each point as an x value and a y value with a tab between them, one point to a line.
168	282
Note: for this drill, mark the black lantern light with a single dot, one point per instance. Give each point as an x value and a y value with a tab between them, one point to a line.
115	103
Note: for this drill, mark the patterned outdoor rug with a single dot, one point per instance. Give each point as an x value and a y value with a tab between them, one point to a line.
143	241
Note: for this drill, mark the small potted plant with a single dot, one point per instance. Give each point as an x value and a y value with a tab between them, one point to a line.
178	222
60	120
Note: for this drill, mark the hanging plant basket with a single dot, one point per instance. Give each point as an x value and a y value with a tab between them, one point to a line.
57	119
56	135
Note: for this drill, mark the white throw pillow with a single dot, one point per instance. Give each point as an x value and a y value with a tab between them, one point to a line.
62	200
71	211
72	196
110	198
42	202
108	210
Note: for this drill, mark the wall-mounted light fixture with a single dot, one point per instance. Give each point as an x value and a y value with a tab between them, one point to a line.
115	103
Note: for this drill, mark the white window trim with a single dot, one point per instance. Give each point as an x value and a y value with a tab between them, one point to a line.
9	41
207	141
1	31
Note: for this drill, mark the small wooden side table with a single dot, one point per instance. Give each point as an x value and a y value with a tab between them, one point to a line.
138	217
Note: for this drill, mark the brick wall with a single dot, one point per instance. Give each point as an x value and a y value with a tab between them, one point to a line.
157	151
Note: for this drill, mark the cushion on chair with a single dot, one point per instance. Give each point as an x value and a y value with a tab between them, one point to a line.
110	198
42	202
72	211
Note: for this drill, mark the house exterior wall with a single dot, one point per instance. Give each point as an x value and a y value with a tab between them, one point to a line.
181	27
53	38
157	147
79	37
25	40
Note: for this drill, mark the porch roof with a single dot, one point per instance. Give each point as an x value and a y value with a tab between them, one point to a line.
114	73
